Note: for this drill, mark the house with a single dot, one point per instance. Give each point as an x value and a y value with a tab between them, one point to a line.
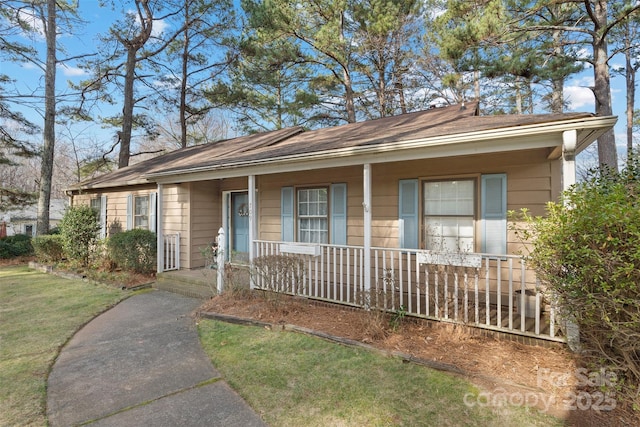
24	220
410	210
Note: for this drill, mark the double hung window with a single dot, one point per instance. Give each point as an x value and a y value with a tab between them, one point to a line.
449	215
315	214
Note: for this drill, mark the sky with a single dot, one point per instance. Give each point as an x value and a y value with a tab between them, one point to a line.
28	77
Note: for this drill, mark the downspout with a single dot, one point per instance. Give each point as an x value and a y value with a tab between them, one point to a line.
252	222
159	232
366	204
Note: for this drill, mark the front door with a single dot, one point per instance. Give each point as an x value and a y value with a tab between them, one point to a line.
239	227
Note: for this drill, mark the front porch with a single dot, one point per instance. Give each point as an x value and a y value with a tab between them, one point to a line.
499	294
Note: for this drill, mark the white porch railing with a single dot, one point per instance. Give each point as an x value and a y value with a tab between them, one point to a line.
171	251
480	290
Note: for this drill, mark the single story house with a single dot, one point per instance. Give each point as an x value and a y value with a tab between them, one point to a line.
24	220
410	210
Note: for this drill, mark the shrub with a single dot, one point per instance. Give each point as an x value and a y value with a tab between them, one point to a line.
134	250
15	246
48	248
278	274
79	230
586	252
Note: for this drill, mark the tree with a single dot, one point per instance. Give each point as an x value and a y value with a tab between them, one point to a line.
124	57
40	17
200	54
592	25
323	30
629	31
268	86
49	134
385	33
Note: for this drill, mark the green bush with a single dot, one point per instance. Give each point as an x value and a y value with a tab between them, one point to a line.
79	230
587	252
134	250
15	246
48	248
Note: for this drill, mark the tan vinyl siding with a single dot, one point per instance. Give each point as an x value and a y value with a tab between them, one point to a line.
116	204
206	218
175	211
531	179
269	198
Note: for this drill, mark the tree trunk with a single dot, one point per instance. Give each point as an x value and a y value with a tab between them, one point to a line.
346	77
127	109
49	131
133	46
607	154
557	84
630	77
183	83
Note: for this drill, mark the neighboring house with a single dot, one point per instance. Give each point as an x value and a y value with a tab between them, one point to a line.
24	220
412	206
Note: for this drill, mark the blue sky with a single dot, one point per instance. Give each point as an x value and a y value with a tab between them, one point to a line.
29	77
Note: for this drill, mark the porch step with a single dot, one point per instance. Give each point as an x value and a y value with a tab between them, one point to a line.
194	285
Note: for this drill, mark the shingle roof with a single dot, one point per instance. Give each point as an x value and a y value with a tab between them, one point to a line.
455	119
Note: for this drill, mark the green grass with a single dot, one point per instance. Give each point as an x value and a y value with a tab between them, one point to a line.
297	380
38	314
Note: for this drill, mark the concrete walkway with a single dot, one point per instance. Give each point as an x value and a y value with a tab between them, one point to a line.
141	364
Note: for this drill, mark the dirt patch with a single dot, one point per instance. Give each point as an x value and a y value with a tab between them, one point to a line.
506	371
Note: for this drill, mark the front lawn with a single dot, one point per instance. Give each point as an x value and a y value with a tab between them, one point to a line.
38	314
297	380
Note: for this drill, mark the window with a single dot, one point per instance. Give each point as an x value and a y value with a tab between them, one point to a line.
452	211
28	230
312	215
449	215
141	212
99	204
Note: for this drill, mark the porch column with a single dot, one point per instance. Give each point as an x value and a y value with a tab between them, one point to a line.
159	232
252	221
569	143
366	204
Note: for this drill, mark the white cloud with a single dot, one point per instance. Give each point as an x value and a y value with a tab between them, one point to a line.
579	96
158	28
71	71
28	16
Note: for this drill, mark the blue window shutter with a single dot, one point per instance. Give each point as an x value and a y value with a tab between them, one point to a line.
153	211
339	214
494	213
103	216
129	212
286	214
408	213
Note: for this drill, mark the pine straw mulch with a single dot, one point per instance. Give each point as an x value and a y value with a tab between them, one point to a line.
502	368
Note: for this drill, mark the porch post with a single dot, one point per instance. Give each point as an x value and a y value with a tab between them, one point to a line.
159	232
252	222
366	204
569	142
